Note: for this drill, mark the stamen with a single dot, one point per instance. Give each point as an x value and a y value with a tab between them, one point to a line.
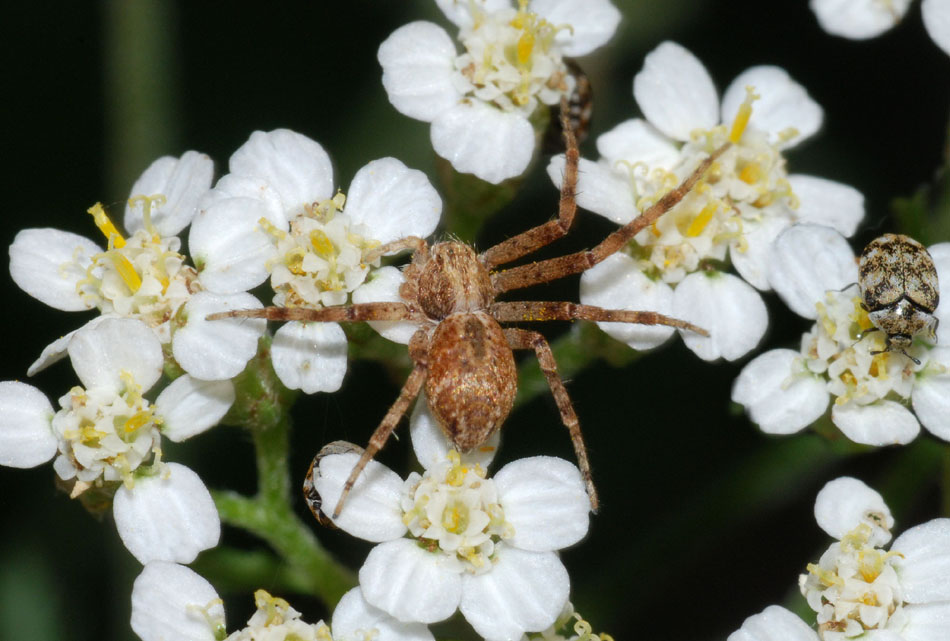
105	225
147	202
702	219
742	117
126	271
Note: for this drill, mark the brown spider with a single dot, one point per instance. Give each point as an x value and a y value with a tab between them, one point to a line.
461	353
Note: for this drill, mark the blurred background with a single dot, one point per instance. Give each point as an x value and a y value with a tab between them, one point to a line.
704	520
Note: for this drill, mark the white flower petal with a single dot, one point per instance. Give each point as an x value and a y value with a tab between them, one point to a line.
459	13
941	257
409	583
167	518
774	623
295	166
807	261
778	400
616	283
783	104
310	356
189	406
936	15
845	503
56	351
418	61
393	200
925	567
858	19
382	286
881	423
171	602
925	622
524	592
354	618
826	202
636	140
48	263
220	349
753	263
26	438
599	189
372	510
592	23
481	140
675	92
727	307
431	446
182	181
255	188
545	500
100	352
931	395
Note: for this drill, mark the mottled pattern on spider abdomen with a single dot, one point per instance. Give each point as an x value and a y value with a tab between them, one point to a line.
471	378
893	267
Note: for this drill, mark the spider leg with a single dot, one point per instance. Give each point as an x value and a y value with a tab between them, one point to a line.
524	339
537	237
525	311
342	313
414	243
547	270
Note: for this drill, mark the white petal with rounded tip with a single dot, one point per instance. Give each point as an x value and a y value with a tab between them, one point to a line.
220	349
845	503
616	283
354	618
774	623
936	15
182	181
545	500
372	509
826	202
524	592
393	200
858	19
458	12
592	23
925	568
481	140
189	406
26	438
310	356
778	400
418	61
294	165
172	602
410	583
48	263
925	622
101	352
675	92
807	261
931	395
783	104
229	245
881	423
431	446
753	263
636	140
236	186
169	518
382	286
941	257
599	189
727	307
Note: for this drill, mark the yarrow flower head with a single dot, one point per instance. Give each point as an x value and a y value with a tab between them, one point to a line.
275	216
454	538
842	357
744	201
861	19
106	438
480	101
170	601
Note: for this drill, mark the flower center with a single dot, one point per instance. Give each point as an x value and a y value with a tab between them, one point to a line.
455	509
276	619
320	260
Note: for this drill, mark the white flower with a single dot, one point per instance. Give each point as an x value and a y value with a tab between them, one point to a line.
744	201
860	19
479	102
784	391
275	216
452	538
170	601
107	434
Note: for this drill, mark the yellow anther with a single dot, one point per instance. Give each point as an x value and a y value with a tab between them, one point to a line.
741	120
751	173
137	420
126	271
525	47
105	225
275	607
451	519
702	219
321	243
271	229
826	577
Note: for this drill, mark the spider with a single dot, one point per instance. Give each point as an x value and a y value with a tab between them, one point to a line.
461	354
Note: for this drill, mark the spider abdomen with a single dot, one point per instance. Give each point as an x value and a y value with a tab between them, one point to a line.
471	378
